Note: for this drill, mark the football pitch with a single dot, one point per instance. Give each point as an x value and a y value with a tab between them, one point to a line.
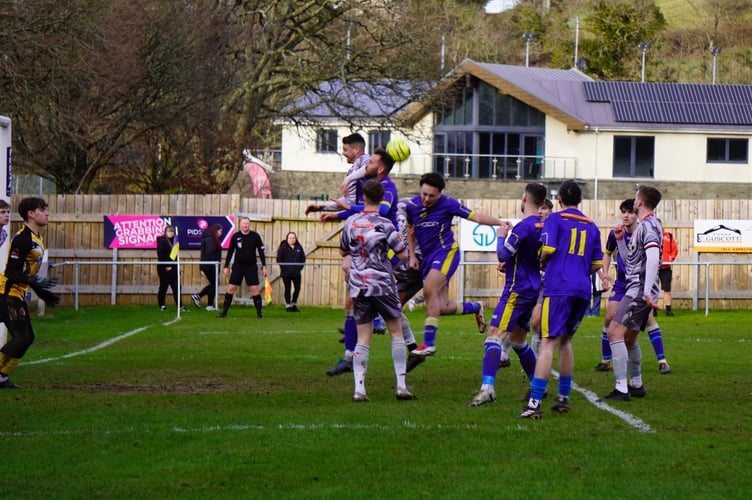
128	402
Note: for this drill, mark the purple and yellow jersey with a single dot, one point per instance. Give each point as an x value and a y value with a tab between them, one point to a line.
575	242
367	238
519	250
621	267
433	226
387	207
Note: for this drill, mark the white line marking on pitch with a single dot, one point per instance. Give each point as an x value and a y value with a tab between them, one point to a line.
635	422
99	346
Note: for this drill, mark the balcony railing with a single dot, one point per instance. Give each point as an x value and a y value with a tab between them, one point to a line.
504	167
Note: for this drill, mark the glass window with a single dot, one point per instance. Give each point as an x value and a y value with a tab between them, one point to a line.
326	141
634	156
722	150
378	139
486	105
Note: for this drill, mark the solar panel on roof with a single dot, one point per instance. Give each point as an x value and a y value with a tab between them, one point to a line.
679	103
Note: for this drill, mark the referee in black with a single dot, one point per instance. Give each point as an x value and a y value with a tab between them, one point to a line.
244	246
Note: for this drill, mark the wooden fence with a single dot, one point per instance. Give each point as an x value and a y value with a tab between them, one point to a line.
76	234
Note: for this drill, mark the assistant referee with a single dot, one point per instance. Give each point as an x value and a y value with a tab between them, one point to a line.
244	246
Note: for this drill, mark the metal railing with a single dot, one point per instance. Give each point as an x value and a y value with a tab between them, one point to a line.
696	283
504	167
115	263
695	278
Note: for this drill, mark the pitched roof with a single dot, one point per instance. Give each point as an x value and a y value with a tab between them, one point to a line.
356	100
543	88
566	95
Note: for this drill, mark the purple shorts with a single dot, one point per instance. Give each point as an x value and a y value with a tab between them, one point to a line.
561	315
444	261
513	311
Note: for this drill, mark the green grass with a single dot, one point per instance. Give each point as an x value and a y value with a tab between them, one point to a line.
240	408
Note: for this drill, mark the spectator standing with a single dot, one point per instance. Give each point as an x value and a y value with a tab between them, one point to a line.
665	272
597	289
168	273
211	251
291	259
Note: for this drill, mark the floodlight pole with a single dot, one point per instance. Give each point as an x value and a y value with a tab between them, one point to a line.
528	36
445	30
644	46
715	51
576	38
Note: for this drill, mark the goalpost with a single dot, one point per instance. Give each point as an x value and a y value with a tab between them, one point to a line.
5	152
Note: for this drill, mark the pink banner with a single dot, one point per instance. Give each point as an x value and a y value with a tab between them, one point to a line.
134	231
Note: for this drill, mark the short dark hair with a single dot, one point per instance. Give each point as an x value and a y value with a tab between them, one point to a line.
355	138
537	191
29	205
4	204
386	159
650	196
570	193
373	191
548	204
627	205
433	179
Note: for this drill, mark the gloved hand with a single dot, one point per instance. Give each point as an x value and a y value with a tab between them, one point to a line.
45	283
48	297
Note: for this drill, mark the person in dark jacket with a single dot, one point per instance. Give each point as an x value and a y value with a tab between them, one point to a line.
291	259
168	273
211	251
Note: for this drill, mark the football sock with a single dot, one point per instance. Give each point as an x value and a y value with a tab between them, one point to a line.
506	347
228	302
654	334
257	303
605	346
634	360
429	333
469	308
535	341
565	385
537	389
619	361
351	333
407	332
399	358
491	360
527	357
360	365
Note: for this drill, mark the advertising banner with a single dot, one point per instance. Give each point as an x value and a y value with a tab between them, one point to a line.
476	237
723	236
141	231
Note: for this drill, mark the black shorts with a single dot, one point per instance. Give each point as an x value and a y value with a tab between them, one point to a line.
665	275
365	308
250	273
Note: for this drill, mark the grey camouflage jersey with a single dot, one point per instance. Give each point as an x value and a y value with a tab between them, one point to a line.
353	187
367	237
649	234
